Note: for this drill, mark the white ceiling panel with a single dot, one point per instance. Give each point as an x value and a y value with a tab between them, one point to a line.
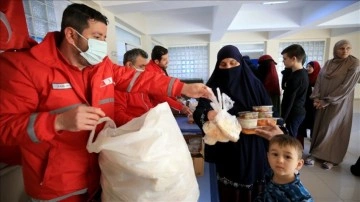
216	18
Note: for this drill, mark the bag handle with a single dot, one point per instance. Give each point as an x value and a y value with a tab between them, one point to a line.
109	123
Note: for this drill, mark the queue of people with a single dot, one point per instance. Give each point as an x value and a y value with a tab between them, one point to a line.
51	108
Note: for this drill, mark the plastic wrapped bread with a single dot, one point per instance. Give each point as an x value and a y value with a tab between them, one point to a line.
225	127
213	133
228	125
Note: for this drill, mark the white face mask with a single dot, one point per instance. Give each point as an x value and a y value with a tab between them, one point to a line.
96	52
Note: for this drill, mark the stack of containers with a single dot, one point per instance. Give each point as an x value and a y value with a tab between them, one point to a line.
260	116
265	115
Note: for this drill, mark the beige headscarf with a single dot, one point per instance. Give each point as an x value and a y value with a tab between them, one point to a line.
337	65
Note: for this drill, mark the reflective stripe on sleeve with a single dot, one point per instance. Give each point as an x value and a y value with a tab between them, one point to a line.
82	191
64	109
137	74
170	86
106	100
30	128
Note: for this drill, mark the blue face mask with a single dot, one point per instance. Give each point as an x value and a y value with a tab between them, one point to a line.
96	52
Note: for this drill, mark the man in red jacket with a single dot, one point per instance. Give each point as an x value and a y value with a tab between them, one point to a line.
132	105
159	63
55	93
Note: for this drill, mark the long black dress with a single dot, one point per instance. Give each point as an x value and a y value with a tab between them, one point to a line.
240	165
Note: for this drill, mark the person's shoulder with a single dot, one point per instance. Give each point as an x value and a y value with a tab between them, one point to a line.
152	67
300	192
300	74
304	74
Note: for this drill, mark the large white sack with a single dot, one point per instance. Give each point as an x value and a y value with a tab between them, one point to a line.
146	159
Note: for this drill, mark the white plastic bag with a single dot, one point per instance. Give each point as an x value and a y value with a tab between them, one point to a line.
192	104
228	126
146	159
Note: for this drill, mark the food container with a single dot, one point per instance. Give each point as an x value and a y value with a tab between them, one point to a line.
264	108
248	131
248	123
265	114
248	115
266	121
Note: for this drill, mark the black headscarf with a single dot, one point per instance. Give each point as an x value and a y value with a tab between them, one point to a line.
243	161
239	83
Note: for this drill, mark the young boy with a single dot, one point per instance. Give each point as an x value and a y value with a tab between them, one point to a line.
295	88
282	182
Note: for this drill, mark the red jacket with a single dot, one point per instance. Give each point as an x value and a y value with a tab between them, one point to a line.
153	67
37	84
130	105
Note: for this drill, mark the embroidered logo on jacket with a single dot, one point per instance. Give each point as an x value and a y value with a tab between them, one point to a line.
61	86
106	82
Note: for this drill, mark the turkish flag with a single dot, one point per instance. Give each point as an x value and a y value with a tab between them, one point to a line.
14	33
13	36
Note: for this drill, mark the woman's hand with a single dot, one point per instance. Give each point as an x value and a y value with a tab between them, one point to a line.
316	103
321	104
269	131
211	115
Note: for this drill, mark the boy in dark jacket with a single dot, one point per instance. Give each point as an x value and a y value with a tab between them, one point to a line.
295	88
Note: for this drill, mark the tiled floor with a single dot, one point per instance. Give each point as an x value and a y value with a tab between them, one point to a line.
337	184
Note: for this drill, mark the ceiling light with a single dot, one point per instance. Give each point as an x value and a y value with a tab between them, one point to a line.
274	2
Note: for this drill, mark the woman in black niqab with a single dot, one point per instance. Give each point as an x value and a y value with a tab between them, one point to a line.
240	165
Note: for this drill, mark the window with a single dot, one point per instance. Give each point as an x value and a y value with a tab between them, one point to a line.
189	62
125	41
314	50
254	50
41	17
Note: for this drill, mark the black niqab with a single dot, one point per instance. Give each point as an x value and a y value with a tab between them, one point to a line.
239	83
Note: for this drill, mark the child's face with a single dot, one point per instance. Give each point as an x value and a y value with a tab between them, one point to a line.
284	161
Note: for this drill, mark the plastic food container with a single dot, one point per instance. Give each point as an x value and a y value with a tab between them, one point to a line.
265	114
248	123
248	131
266	121
264	108
248	115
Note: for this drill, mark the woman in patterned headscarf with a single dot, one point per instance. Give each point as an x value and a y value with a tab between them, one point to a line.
333	98
313	69
240	165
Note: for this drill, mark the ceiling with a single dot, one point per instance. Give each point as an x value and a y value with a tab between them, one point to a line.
212	19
